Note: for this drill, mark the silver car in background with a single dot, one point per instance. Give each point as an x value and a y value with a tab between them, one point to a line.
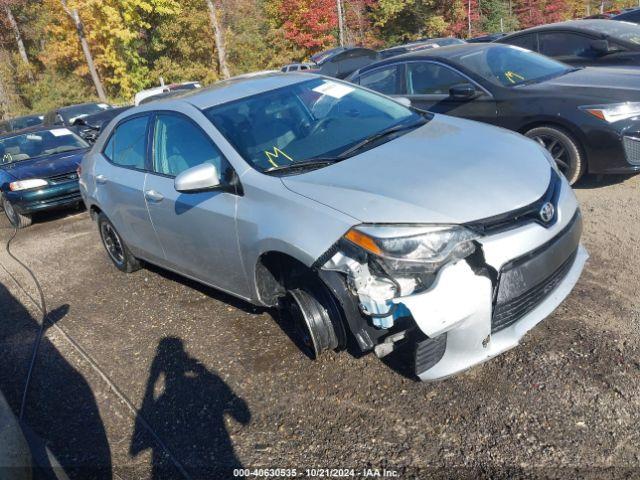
366	222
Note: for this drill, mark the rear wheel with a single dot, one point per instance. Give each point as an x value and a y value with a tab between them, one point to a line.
564	150
316	318
115	246
18	220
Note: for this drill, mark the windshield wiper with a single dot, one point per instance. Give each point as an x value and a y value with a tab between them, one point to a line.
547	77
303	165
377	136
323	161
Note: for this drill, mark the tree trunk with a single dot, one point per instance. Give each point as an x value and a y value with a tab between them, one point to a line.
9	100
218	36
340	22
19	42
73	13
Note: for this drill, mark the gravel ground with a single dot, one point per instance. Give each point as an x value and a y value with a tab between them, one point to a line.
152	376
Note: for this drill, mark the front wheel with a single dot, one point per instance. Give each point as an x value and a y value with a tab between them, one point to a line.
316	318
18	220
564	150
115	246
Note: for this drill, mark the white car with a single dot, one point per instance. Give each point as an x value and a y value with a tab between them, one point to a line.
152	92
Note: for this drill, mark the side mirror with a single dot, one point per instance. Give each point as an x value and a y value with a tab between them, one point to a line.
198	179
464	91
404	101
600	47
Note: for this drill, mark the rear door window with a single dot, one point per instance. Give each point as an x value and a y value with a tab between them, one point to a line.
529	41
424	78
127	145
383	80
566	44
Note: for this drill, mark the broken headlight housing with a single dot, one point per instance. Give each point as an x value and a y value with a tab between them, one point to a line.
413	250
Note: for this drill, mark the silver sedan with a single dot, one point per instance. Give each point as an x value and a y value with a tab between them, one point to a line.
363	220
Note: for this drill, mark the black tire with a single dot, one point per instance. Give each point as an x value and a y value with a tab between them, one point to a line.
116	249
563	148
317	320
17	219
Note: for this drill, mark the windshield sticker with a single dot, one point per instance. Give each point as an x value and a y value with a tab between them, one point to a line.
60	132
276	153
513	76
335	90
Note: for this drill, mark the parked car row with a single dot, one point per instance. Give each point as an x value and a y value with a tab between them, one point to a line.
383	223
587	118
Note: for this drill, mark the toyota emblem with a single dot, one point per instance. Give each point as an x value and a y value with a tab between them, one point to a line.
547	212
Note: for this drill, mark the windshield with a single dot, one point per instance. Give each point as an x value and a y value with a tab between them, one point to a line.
310	120
625	31
509	66
38	144
72	113
24	122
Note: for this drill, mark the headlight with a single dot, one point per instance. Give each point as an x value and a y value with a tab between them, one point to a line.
414	249
26	184
614	112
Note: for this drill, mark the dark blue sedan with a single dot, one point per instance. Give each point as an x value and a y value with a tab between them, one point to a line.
38	171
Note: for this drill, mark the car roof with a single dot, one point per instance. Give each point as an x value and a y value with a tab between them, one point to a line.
590	25
233	89
67	107
35	128
432	53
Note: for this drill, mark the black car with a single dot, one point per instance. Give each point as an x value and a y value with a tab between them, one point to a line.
587	118
419	45
491	37
19	123
342	61
89	127
583	42
65	116
631	15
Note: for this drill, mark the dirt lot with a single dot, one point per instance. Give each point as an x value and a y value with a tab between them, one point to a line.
214	383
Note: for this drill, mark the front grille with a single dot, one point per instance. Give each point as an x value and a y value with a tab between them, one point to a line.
521	216
429	352
632	150
507	313
67	177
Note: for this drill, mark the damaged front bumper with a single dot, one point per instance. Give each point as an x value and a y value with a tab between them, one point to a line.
474	310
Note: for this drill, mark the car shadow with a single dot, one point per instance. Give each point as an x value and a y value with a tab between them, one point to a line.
61	410
590	181
185	405
206	290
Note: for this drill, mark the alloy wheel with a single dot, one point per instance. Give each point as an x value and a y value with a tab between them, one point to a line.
112	243
558	150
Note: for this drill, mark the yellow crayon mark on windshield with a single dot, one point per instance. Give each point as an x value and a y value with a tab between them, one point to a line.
513	75
275	154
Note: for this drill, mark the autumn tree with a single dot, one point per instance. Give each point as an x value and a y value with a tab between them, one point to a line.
310	24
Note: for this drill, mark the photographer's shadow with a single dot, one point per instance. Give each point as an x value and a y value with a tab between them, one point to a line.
185	405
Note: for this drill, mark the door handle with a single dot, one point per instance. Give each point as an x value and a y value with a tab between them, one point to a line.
101	179
153	196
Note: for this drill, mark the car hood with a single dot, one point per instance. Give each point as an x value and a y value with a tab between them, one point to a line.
448	171
603	84
45	167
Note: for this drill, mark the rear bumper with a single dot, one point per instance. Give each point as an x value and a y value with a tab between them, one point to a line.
50	197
